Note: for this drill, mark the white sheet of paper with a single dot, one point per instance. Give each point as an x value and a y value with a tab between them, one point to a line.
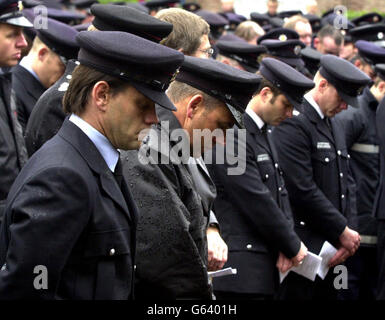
221	273
327	252
308	268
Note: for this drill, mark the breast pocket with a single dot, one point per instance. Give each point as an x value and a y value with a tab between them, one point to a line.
323	161
111	253
266	167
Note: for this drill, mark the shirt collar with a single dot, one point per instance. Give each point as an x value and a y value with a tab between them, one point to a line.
106	149
256	118
26	63
308	96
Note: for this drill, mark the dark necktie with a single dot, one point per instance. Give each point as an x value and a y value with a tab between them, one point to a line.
18	132
328	124
264	129
118	173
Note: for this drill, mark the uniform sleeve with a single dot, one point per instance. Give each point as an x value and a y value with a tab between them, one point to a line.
8	162
42	223
254	201
352	122
294	151
169	231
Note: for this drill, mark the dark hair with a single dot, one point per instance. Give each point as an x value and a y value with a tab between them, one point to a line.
81	85
330	31
266	83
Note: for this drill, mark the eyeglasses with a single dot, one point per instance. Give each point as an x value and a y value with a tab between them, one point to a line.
208	51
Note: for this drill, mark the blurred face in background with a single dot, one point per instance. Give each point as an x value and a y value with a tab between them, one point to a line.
272	7
305	32
348	51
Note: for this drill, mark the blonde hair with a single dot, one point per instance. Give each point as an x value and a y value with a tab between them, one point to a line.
188	29
248	30
292	21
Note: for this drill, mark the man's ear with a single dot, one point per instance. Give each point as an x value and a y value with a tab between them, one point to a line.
43	53
101	95
226	61
266	94
316	42
193	105
323	84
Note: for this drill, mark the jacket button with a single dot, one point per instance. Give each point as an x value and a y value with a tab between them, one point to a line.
327	159
348	156
267	176
342	196
112	252
302	223
339	152
276	165
279	189
249	246
341	175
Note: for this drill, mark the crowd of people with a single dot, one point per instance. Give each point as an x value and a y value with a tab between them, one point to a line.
145	145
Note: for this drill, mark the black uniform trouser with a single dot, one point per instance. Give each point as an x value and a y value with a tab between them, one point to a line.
362	275
296	287
381	260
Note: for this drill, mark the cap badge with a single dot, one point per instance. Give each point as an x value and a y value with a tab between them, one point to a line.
380	35
174	75
375	19
297	50
282	37
20	5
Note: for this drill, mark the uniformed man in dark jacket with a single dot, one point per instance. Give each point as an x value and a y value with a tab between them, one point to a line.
379	203
48	115
172	247
314	158
12	148
45	63
252	207
363	147
70	211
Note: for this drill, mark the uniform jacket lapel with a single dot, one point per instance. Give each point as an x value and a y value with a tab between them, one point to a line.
256	133
314	117
32	86
72	134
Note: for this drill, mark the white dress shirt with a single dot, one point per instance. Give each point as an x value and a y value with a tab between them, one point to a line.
256	118
314	104
106	149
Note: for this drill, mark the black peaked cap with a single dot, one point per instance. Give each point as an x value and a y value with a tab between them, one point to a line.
246	54
345	77
127	19
228	84
289	81
147	66
60	38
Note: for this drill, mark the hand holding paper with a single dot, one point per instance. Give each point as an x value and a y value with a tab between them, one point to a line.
313	264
